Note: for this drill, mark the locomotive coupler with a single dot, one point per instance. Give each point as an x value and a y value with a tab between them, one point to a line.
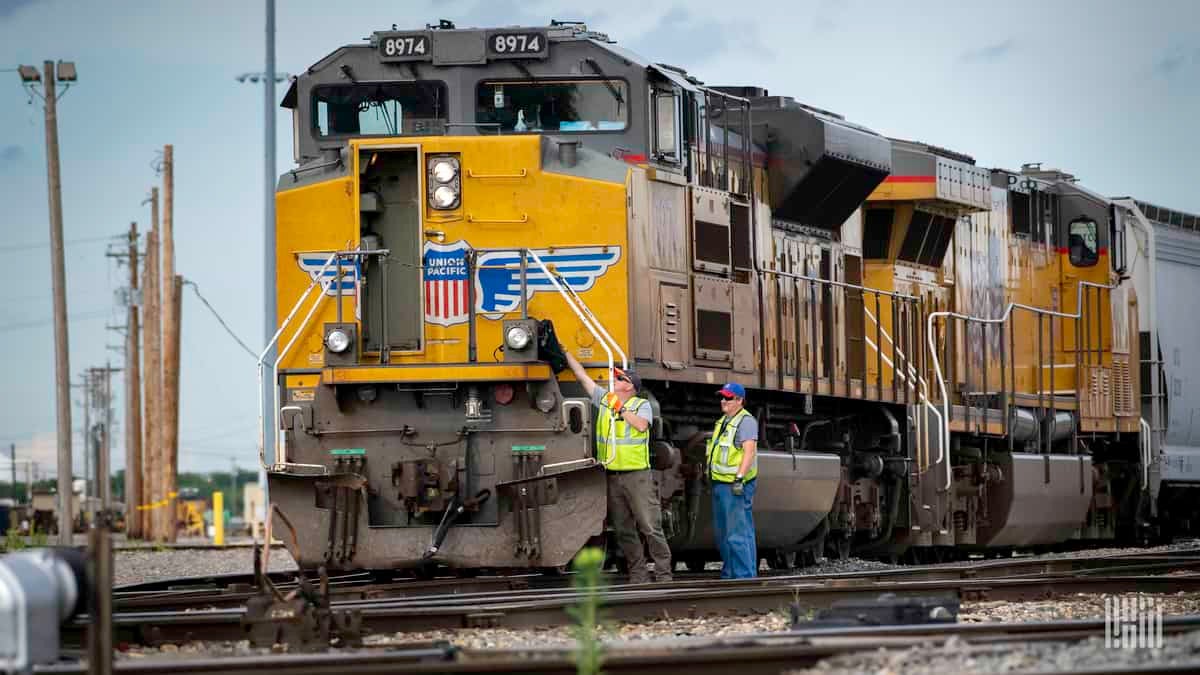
456	509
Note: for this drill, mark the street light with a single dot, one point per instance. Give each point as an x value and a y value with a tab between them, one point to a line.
256	77
29	74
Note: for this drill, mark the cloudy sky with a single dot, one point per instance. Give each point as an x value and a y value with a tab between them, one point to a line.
1107	90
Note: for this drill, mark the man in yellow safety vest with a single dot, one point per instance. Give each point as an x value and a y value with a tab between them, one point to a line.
733	466
623	445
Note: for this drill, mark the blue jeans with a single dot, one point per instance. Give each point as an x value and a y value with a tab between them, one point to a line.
733	524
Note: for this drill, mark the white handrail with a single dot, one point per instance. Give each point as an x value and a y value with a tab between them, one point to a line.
599	326
914	381
552	276
566	290
1144	441
280	440
937	367
262	430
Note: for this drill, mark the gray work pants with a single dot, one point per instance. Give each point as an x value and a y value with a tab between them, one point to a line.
633	507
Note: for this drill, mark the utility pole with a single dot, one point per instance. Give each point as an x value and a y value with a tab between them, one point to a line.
62	366
269	178
12	450
152	440
133	399
171	294
84	504
104	461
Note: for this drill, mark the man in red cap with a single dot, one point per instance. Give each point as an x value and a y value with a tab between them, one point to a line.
733	466
623	445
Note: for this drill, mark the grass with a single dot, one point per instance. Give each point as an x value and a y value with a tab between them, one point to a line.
13	541
589	655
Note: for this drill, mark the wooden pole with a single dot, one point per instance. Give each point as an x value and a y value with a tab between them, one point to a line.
133	400
152	439
62	362
170	324
171	384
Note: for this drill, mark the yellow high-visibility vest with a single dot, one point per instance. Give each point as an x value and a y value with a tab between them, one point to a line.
627	449
724	459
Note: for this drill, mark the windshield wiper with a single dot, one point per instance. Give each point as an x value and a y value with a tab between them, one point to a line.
612	89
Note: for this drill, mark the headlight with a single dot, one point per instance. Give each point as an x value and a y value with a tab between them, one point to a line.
443	171
445	197
337	341
517	338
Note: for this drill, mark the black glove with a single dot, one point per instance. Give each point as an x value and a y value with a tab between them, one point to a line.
549	349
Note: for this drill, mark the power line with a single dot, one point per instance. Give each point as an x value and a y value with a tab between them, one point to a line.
220	320
46	244
84	316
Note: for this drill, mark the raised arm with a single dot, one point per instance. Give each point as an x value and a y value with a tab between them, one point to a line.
589	385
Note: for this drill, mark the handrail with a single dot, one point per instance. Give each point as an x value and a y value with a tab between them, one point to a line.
570	297
842	284
262	430
1146	450
325	284
937	367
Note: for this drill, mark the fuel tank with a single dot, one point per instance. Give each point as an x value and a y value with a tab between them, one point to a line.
793	495
1042	499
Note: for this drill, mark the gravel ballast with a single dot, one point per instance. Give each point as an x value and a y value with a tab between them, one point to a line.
143	565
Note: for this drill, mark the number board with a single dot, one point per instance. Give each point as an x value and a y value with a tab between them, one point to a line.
523	44
404	47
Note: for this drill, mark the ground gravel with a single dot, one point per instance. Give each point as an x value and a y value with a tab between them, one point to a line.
955	656
141	565
1077	606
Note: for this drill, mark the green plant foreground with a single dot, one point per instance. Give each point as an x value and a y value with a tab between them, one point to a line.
589	655
13	541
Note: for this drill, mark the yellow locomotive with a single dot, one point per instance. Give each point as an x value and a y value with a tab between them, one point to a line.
939	355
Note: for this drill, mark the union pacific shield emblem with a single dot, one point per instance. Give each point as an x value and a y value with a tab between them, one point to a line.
445	277
498	278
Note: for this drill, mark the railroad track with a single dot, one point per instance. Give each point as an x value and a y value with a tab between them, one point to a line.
533	607
234	590
748	654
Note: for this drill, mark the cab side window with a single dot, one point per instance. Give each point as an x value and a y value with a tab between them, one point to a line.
1082	242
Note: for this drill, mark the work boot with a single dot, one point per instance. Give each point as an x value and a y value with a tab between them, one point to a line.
663	578
639	576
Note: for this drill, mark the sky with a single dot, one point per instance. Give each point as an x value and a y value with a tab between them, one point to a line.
1109	91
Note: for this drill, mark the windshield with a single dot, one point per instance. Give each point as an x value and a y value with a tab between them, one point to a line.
552	105
394	109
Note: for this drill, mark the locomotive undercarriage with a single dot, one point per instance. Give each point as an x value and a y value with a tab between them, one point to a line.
478	476
439	474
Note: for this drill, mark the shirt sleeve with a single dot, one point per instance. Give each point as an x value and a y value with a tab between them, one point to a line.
598	395
747	431
645	412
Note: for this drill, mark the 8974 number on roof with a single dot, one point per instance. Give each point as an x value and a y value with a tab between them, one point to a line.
410	47
524	44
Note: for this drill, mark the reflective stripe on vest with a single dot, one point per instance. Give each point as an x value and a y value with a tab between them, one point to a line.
723	457
631	447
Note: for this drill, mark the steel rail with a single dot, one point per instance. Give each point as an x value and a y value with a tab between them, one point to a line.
526	609
748	654
365	586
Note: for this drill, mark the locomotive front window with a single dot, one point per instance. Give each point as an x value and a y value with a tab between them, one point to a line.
1083	247
560	106
394	109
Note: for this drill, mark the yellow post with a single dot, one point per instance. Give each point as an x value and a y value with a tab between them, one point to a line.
218	519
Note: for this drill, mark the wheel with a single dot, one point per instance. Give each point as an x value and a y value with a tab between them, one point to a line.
694	564
784	561
837	547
